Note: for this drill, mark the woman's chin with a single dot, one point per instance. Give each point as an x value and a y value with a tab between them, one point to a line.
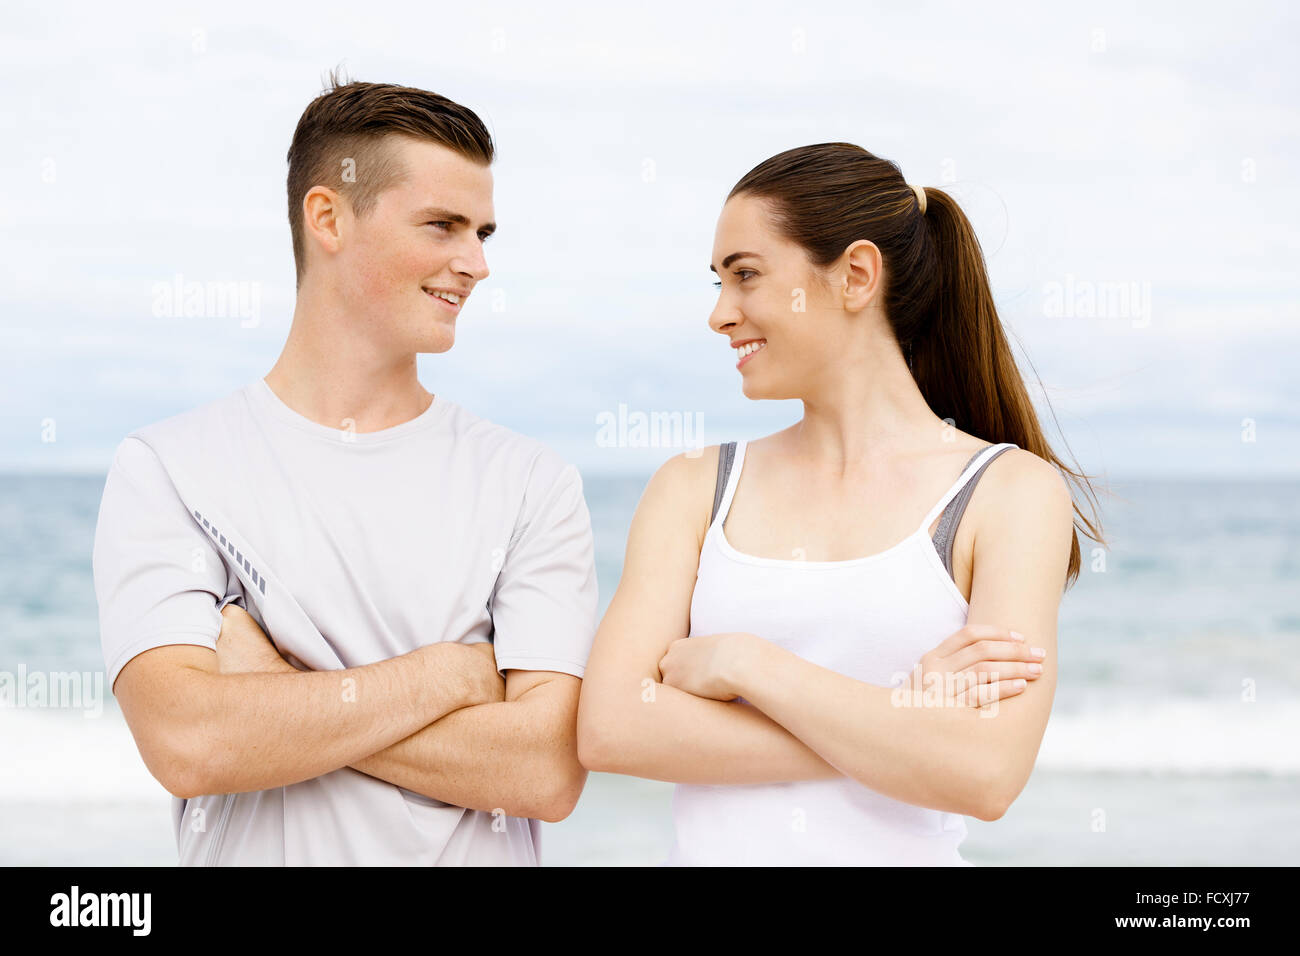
761	388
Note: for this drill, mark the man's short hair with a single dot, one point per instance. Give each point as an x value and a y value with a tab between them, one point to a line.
343	141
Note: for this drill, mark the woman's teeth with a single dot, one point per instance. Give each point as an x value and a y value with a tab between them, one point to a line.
749	348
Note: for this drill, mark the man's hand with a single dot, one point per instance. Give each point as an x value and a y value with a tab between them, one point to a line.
478	663
242	646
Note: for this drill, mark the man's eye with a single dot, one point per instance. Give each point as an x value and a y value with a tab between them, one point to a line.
440	224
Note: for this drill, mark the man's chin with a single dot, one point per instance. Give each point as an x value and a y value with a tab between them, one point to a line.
441	341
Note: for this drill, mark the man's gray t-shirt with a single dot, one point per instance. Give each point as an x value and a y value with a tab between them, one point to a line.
349	549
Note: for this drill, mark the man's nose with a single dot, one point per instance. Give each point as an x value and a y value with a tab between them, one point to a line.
473	262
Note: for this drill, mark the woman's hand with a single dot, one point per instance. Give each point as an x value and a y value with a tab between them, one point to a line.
243	648
978	665
705	665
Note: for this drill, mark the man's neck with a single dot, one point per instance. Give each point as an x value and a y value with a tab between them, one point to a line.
345	384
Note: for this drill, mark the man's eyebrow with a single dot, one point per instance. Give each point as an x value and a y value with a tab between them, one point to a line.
446	215
733	257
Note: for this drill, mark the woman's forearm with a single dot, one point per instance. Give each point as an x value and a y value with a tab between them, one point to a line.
929	756
664	733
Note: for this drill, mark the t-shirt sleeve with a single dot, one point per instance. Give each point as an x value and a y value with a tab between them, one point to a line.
158	578
545	602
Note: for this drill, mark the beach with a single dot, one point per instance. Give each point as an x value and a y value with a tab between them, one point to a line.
1171	743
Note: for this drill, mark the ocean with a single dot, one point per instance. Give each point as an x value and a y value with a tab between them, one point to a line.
1173	738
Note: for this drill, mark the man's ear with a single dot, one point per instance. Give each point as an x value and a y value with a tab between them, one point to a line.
323	215
861	268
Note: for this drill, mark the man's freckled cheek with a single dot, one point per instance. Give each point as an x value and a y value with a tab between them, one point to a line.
385	274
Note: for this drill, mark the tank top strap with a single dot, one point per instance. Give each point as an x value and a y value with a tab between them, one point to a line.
972	468
731	457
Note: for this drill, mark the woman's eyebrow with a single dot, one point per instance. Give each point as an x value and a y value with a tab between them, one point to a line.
733	257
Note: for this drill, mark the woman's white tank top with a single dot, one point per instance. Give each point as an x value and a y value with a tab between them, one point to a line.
870	618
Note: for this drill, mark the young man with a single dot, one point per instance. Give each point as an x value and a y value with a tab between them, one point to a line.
427	577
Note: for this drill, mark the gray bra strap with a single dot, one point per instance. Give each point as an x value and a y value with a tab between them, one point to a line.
944	535
726	455
946	532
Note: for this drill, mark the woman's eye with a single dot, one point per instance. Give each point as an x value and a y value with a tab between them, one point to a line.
743	273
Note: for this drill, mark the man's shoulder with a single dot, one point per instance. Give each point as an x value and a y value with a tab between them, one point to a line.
185	433
198	418
497	445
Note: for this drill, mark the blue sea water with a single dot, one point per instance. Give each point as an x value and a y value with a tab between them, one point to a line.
1173	737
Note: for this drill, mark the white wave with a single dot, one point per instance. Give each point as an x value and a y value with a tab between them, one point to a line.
1178	735
60	757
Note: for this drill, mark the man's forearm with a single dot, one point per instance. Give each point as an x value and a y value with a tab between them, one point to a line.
255	731
495	757
675	736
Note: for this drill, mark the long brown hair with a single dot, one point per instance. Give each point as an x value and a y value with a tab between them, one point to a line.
937	296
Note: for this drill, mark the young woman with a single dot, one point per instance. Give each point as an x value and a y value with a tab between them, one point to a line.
913	530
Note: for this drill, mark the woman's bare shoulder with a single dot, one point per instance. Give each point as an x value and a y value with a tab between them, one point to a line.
1017	482
1017	468
682	489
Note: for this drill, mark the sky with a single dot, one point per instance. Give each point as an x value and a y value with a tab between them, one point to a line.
1141	159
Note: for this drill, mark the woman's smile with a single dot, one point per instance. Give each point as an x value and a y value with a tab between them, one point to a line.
747	349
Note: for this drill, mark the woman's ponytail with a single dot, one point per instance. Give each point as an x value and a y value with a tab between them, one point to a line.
963	363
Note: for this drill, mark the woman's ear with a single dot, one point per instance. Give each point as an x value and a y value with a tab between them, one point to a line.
861	269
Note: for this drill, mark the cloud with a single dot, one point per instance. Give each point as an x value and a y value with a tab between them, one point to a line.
1146	154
